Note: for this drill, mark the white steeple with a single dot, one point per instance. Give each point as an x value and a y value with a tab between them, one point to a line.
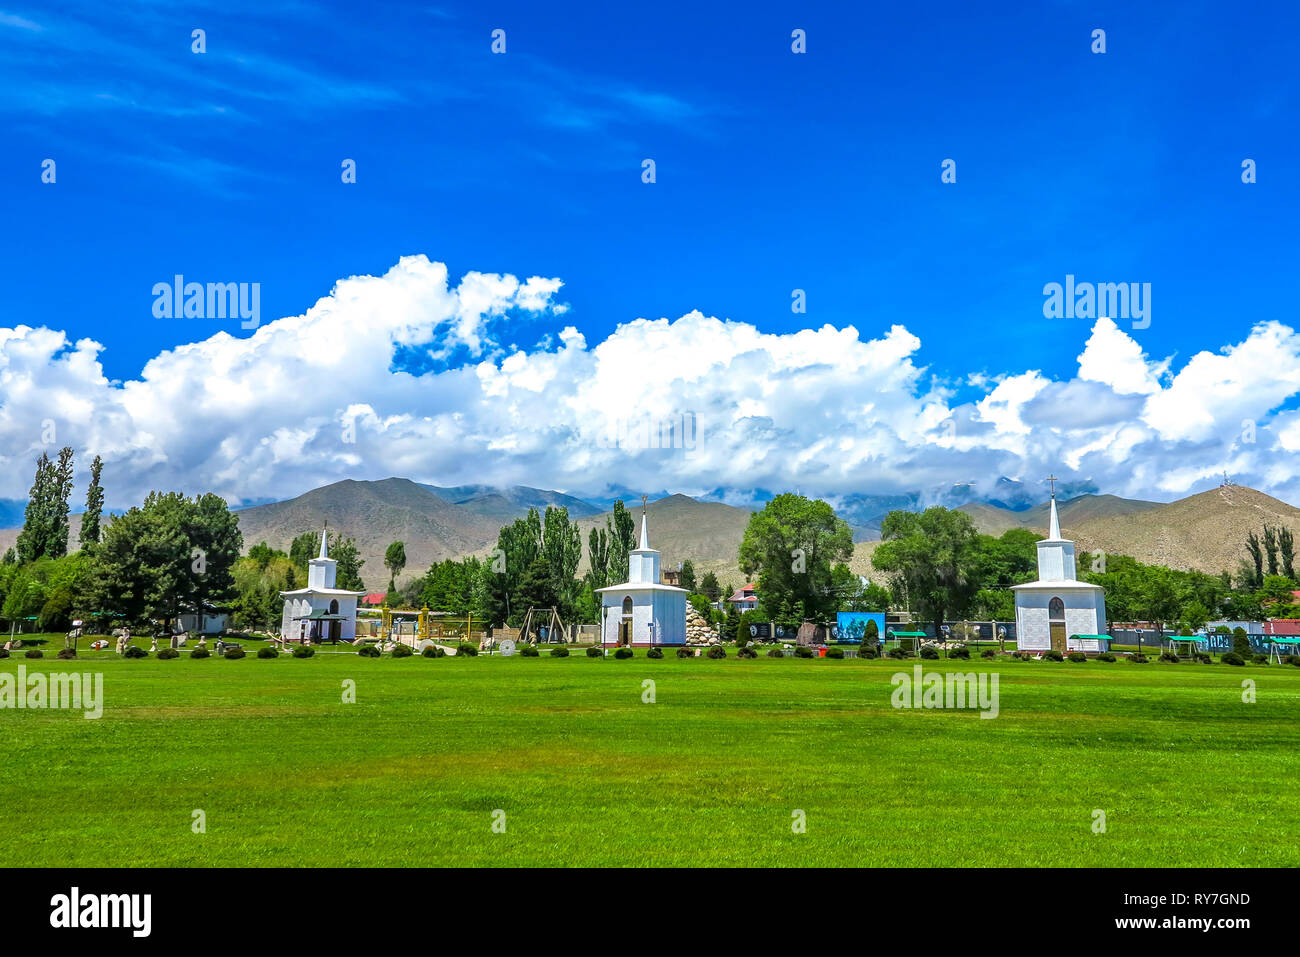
643	561
322	570
1055	554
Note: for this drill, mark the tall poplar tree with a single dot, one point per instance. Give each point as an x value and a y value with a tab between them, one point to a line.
90	521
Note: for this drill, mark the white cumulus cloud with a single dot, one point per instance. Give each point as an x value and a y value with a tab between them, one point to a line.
692	404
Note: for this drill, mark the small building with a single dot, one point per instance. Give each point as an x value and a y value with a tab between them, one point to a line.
643	611
212	621
320	612
745	599
1058	612
672	576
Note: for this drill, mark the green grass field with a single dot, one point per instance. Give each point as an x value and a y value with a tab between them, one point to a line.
286	773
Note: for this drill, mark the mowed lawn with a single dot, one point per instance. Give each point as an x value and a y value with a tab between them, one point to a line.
712	773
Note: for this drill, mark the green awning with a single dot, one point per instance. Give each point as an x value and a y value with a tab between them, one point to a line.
908	634
1280	640
1108	638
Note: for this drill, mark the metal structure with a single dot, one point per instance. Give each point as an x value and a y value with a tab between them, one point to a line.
553	624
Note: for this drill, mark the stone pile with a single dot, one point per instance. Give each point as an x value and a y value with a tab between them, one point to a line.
699	631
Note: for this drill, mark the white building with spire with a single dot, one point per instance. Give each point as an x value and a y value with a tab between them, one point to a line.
320	612
1058	611
643	611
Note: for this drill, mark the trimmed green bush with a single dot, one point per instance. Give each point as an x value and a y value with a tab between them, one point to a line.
595	651
433	651
232	653
1232	658
1022	656
365	651
466	649
1259	659
132	651
1169	657
834	652
1054	655
748	652
68	653
684	652
529	651
1078	657
990	653
306	651
562	652
962	652
623	652
898	652
1138	659
716	651
776	653
4	652
403	651
166	654
803	651
1105	656
267	652
200	653
655	653
928	653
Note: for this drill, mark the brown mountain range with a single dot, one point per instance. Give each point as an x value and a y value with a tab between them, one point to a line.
1205	531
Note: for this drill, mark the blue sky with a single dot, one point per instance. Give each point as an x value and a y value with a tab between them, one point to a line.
775	171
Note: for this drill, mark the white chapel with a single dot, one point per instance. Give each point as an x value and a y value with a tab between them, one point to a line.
320	612
1058	611
643	611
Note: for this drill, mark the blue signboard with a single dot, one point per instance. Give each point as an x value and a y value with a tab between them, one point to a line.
851	626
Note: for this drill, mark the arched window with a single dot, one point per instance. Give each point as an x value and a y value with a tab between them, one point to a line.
627	607
1056	610
334	606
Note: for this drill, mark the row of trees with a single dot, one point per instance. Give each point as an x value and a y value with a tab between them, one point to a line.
175	554
169	556
1272	555
535	565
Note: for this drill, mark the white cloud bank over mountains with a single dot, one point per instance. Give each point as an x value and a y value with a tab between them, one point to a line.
312	399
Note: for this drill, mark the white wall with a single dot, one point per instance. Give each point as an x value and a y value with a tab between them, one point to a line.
668	608
1085	614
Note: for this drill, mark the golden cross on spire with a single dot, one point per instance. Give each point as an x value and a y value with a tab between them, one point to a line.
1052	480
644	499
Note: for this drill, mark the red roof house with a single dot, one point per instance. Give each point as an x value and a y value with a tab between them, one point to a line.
744	599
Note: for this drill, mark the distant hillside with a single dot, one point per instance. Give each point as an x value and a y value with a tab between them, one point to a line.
1206	531
507	504
708	533
994	519
375	514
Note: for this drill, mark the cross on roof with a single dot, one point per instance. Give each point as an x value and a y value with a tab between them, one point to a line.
1052	480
